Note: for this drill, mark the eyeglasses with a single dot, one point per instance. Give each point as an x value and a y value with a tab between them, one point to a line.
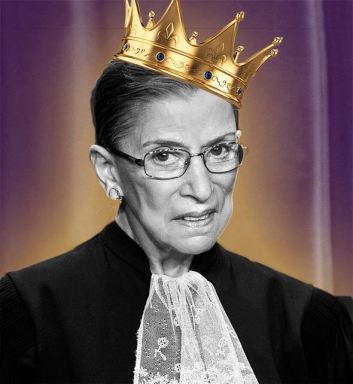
171	162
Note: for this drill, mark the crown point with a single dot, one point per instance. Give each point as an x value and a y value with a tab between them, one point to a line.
274	52
151	16
238	51
240	16
277	40
193	37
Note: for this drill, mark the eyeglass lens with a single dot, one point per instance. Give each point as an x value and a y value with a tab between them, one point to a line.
165	163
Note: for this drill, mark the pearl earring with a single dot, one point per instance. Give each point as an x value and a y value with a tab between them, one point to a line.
115	194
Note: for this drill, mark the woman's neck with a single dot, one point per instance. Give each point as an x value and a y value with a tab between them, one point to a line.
162	261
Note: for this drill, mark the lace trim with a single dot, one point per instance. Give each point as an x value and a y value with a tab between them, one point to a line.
185	336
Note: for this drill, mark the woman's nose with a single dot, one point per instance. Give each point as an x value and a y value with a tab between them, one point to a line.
197	180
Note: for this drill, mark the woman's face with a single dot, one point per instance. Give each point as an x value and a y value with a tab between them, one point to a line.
187	214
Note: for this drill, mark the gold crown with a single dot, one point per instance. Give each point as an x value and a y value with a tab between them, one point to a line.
211	65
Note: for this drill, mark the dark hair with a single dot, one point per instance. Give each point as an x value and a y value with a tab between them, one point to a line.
120	94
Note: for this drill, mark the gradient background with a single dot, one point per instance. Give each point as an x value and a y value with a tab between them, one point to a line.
294	196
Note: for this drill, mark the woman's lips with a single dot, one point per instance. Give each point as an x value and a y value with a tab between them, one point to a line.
192	218
196	220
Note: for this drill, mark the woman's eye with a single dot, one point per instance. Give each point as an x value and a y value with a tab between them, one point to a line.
167	157
218	150
162	156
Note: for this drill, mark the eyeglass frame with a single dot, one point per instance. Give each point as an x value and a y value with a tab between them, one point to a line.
141	162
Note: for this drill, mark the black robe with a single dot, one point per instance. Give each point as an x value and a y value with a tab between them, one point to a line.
74	318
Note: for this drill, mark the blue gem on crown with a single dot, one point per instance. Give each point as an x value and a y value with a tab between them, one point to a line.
126	46
239	91
208	75
160	56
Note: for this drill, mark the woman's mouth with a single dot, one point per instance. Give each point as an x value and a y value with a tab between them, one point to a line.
192	218
196	220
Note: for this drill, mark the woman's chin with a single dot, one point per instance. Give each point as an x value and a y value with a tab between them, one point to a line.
194	238
196	244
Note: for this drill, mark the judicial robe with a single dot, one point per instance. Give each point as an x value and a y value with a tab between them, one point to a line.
74	318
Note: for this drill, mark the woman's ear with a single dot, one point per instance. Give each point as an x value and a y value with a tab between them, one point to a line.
106	171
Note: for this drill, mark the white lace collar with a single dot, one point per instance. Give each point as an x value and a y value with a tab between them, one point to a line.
185	336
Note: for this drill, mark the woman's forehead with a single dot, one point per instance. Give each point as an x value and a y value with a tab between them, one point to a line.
195	119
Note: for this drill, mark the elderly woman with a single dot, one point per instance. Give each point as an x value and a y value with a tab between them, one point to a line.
153	298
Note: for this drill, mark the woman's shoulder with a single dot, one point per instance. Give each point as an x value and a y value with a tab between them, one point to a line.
64	265
315	319
318	306
262	275
56	276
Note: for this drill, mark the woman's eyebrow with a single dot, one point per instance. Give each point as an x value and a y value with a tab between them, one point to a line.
218	139
172	143
167	143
